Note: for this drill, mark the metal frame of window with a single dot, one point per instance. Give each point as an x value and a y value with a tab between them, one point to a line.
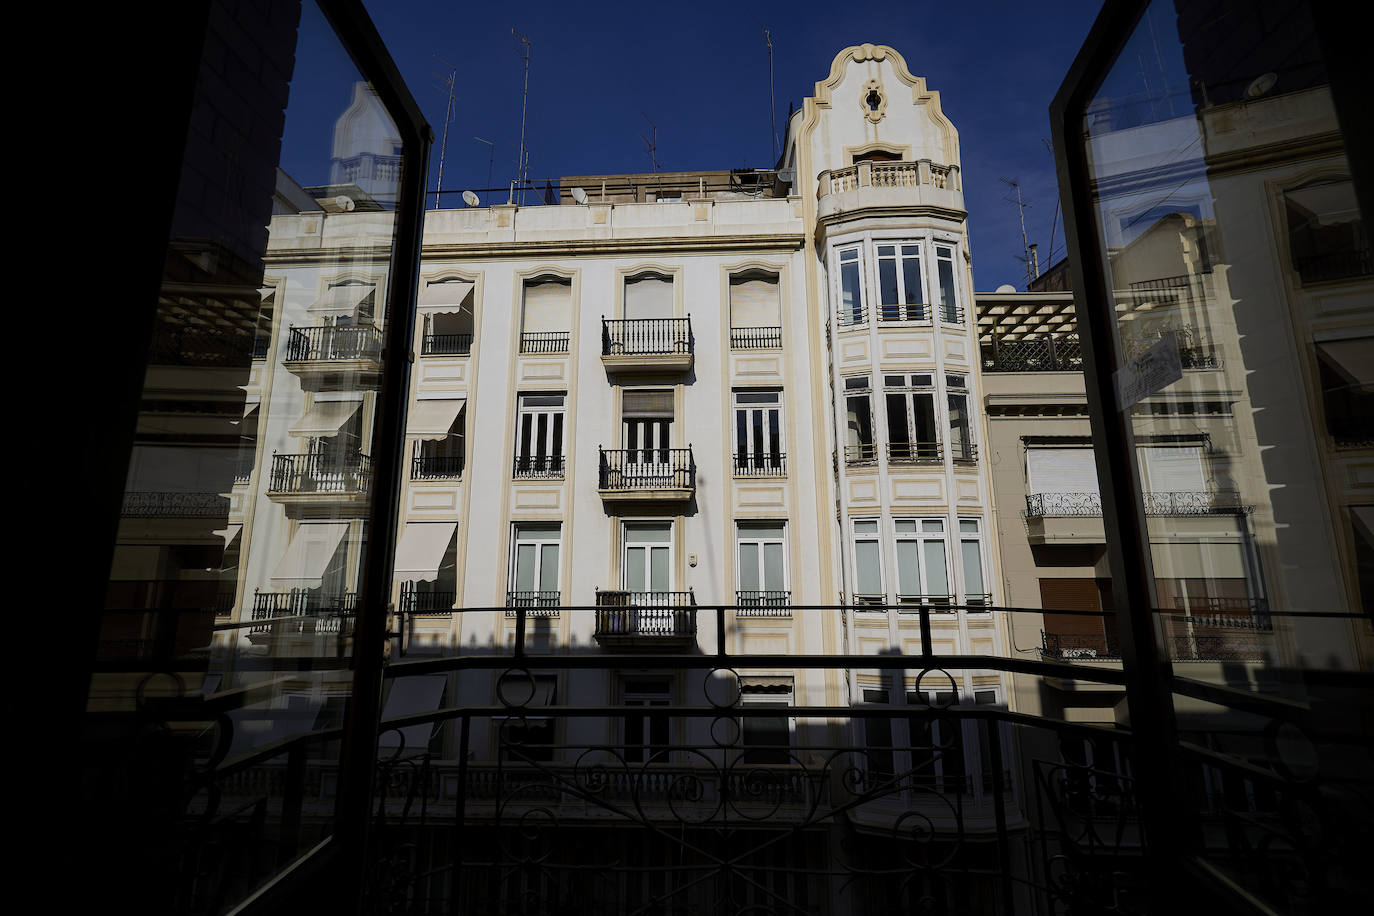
760	439
899	257
867	536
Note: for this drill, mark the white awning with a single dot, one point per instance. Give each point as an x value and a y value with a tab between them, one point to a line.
411	695
1354	358
342	298
433	419
421	550
441	295
325	418
308	555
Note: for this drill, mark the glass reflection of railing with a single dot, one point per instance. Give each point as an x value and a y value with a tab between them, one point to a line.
159	504
320	473
193	345
966	452
754	603
761	338
1171	503
533	603
301	612
335	342
421	604
1335	265
446	345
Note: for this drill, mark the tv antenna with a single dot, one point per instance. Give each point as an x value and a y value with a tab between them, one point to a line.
448	117
772	105
1021	206
490	160
651	144
524	163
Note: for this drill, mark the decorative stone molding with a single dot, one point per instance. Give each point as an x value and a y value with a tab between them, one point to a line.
873	101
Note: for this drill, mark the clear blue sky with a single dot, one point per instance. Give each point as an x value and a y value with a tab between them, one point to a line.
700	72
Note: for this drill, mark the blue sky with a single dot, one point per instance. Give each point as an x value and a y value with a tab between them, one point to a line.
700	72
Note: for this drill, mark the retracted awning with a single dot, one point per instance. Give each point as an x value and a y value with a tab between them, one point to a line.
422	549
411	695
342	298
439	295
308	555
324	418
228	534
1354	358
433	419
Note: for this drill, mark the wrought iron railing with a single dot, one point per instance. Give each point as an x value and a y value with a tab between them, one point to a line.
334	342
852	317
863	453
198	345
446	345
436	467
1078	645
320	473
1063	505
937	604
1186	502
324	613
964	451
544	341
243	466
761	338
533	603
914	452
645	614
760	464
539	465
766	603
646	336
1335	265
895	312
260	347
161	504
425	604
1046	354
648	469
950	314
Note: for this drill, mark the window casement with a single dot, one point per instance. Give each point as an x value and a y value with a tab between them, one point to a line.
868	564
649	296
878	741
975	580
647	558
946	300
646	426
546	315
446	317
961	445
859	446
851	309
758	433
534	569
762	589
901	289
441	459
539	435
912	433
646	730
530	738
766	739
922	564
755	311
1327	239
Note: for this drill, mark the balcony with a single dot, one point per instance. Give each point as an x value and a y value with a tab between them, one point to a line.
646	620
323	480
760	465
884	185
646	344
1049	354
762	338
649	474
290	613
1187	638
334	356
861	454
533	603
539	467
915	453
777	603
436	467
446	345
538	342
425	604
1180	503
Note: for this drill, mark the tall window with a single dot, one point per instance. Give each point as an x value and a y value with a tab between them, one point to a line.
647	426
648	296
762	568
922	563
1327	239
911	430
531	738
645	731
859	445
961	445
755	311
758	432
901	293
948	302
851	288
647	563
938	760
766	739
546	315
440	458
878	739
971	555
539	435
534	566
868	566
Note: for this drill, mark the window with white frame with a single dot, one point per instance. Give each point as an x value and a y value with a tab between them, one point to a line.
755	311
947	300
851	288
766	739
868	564
912	434
647	562
762	570
922	563
758	433
901	290
546	315
859	446
534	568
976	593
961	446
645	726
646	420
539	435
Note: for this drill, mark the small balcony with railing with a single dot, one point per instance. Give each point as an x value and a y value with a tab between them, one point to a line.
334	355
537	603
436	467
1062	518
298	612
919	183
446	345
647	344
415	603
756	338
915	453
1207	630
760	464
646	621
536	343
539	467
320	480
647	474
763	603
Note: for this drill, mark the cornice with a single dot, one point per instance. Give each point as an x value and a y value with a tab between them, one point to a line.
791	241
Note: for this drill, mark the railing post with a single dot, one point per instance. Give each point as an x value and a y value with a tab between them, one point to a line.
999	812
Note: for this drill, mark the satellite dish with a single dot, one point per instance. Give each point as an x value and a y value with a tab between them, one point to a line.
344	203
471	199
579	195
1260	85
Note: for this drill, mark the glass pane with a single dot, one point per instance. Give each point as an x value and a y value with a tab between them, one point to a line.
906	526
866	526
937	574
648	534
661	580
749	567
924	407
973	568
968	526
548	568
635	563
772	568
887	280
911	278
897	431
908	568
866	559
932	525
851	302
525	557
948	308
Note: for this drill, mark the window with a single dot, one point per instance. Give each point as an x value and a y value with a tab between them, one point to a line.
648	296
948	302
851	310
938	759
1326	235
447	332
534	568
868	567
646	419
530	738
878	743
859	445
647	563
1345	369
922	563
646	735
971	554
911	430
758	433
755	311
766	739
901	293
1061	481
546	315
961	445
437	459
539	435
763	588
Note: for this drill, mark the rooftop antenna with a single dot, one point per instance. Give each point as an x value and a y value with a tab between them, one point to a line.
448	117
490	159
524	163
772	105
1021	206
651	144
1054	223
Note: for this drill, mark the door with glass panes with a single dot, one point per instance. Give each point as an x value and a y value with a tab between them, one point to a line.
646	575
647	432
534	568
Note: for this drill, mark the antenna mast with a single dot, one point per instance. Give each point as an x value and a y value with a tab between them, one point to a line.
1021	206
524	164
448	117
490	160
651	144
772	105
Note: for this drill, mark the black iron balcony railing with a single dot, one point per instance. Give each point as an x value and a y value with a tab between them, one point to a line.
648	469
425	604
1049	354
761	338
1335	265
326	613
534	603
335	342
1186	639
767	603
446	345
260	347
539	466
645	614
436	467
1078	645
760	464
938	604
160	504
914	452
1063	505
1350	432
964	451
544	341
320	473
895	312
863	453
852	317
243	466
198	345
1186	502
646	336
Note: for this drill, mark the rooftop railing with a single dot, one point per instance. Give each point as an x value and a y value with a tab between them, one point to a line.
646	336
1046	354
335	342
